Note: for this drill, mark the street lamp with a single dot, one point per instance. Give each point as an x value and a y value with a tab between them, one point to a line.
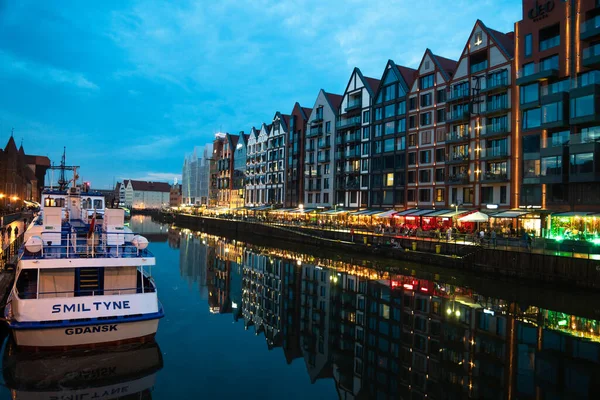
456	210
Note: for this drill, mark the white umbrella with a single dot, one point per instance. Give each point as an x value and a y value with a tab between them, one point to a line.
475	217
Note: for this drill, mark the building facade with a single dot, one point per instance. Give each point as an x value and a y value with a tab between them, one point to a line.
143	195
214	192
556	105
294	185
352	141
238	176
277	160
175	196
225	170
479	121
388	138
319	158
195	176
256	166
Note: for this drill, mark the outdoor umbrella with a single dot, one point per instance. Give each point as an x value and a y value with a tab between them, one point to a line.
475	217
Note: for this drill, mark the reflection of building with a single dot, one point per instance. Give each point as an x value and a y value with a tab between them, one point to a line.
194	257
175	196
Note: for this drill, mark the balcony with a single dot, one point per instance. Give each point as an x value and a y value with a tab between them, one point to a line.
495	85
496	108
339	140
537	73
351	185
493	153
310	148
590	29
494	177
348	123
325	143
591	56
315	131
552	178
585	105
353	104
352	153
458	116
458	158
458	95
455	137
317	120
458	179
352	137
324	158
495	130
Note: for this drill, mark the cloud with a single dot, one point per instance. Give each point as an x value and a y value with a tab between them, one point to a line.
44	73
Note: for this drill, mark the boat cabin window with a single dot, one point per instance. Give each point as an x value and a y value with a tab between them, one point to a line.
54	202
98	204
27	284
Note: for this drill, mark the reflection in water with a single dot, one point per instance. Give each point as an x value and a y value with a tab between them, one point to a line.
381	335
122	372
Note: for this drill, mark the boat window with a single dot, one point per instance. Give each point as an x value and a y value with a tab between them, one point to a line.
59	282
98	205
27	284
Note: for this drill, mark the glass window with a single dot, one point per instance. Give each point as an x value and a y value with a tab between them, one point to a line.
582	163
528	69
503	194
439	195
426	100
530	93
441	115
402	125
401	143
551	166
390	127
531	118
531	168
388	145
365	132
549	37
328	127
441	96
402	108
552	112
424	195
389	179
390	92
390	110
582	106
426	118
412	158
549	63
378	129
528	45
591	134
425	82
425	157
531	144
366	116
425	176
412	122
412	103
378	114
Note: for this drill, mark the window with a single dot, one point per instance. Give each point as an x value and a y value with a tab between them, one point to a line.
551	166
528	69
478	38
503	193
426	118
389	179
582	106
412	158
412	140
388	145
424	176
365	132
328	126
439	174
439	195
552	112
440	135
468	195
424	195
549	63
531	118
426	137
366	116
549	37
582	163
390	110
425	157
478	61
378	129
412	177
487	195
530	93
531	168
441	95
412	123
410	195
440	155
441	115
528	45
402	125
390	128
425	82
402	108
378	114
389	92
401	143
426	100
591	134
412	103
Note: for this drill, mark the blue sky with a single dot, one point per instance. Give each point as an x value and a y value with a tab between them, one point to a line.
130	87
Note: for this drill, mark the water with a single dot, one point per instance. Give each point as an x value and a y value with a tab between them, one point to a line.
246	321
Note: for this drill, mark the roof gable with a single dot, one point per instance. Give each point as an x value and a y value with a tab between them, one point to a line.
148	186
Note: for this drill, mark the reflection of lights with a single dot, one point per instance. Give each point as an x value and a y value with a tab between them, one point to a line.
448	311
234	305
457	313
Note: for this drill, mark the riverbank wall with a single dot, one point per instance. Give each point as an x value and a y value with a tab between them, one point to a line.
522	265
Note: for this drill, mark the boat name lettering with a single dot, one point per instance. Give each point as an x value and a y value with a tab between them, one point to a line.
95	306
90	329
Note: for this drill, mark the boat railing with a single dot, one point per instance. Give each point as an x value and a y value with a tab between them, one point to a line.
86	245
85	293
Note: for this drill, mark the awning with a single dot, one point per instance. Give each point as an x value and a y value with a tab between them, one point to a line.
573	214
438	213
365	212
477	216
406	212
415	212
452	213
509	214
334	212
283	210
387	214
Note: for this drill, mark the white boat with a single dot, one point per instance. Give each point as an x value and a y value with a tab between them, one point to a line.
80	283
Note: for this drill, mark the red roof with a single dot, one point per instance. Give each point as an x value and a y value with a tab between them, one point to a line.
373	83
307	111
446	63
150	186
408	74
37	160
334	99
504	40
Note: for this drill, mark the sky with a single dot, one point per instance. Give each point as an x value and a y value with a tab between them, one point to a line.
130	87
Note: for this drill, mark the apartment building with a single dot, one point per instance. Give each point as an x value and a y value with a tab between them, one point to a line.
225	170
195	176
294	185
478	118
319	151
276	160
256	166
238	175
353	140
556	105
425	143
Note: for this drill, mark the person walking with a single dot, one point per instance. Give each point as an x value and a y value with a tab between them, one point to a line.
449	234
493	236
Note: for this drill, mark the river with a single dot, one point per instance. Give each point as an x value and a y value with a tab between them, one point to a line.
248	321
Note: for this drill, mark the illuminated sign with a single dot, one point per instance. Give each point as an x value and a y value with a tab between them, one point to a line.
95	306
540	11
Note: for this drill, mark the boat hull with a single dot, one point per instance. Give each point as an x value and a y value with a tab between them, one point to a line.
86	335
